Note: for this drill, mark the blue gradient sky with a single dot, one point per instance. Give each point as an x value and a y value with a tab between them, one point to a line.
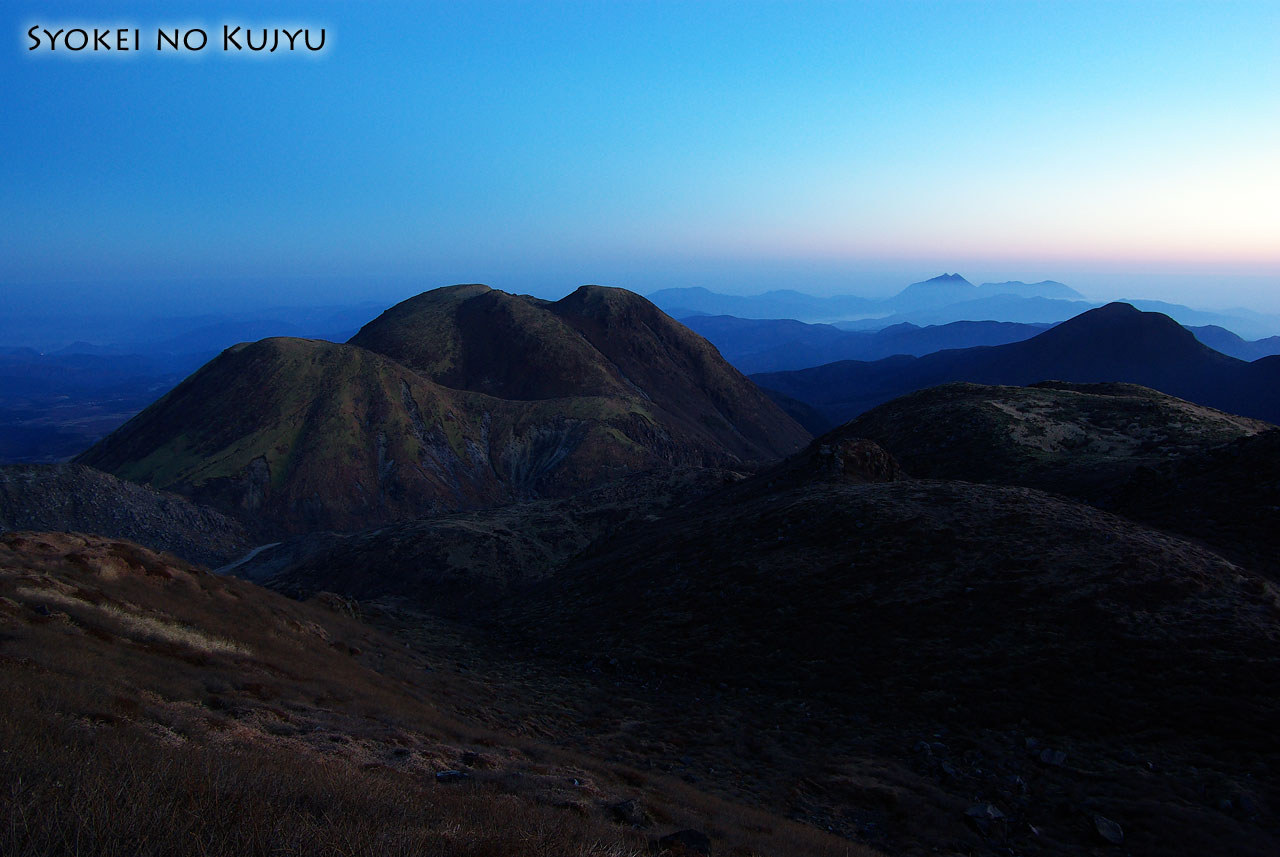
1125	148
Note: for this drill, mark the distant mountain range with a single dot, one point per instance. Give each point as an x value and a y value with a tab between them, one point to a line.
941	300
949	289
1113	343
770	345
938	292
778	345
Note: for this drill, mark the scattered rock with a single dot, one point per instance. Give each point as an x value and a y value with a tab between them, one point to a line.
1108	830
685	842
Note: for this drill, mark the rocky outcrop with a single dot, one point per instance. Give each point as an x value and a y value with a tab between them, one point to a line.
70	497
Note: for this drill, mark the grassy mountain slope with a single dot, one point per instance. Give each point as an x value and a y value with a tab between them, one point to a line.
304	435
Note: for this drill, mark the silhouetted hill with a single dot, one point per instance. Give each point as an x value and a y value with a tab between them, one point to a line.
497	397
1115	343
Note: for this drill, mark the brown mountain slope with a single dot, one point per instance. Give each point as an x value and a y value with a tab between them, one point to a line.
154	709
309	435
80	499
477	338
1078	439
302	435
597	341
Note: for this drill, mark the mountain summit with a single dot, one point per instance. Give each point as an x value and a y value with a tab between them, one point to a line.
459	398
937	291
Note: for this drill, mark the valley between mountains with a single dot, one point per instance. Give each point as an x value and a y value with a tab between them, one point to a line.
510	576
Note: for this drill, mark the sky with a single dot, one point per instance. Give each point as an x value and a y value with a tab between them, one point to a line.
1128	149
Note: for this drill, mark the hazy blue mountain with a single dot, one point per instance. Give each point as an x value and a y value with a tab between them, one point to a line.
950	289
1043	289
1244	323
1012	308
1113	343
782	303
1221	339
938	291
770	345
941	300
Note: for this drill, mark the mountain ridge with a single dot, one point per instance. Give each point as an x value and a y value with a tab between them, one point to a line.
306	435
1114	343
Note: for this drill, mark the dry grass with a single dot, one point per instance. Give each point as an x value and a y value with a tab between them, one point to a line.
137	624
150	708
72	788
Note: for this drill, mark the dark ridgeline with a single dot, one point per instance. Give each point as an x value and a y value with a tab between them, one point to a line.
778	345
1115	343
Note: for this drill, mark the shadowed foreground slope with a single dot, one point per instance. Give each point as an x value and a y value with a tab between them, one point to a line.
154	709
882	656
